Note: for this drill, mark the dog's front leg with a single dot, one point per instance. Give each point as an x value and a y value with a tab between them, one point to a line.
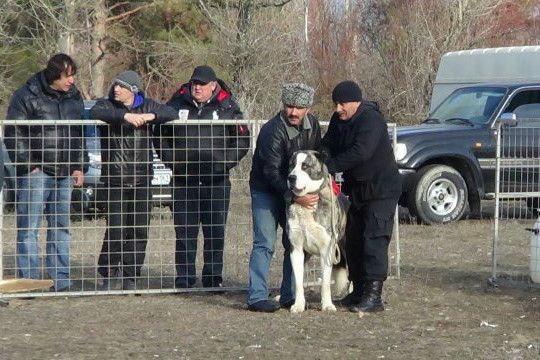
297	262
326	295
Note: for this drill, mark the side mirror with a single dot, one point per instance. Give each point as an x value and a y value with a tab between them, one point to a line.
508	120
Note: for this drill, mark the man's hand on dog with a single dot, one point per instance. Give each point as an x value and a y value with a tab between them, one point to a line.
308	201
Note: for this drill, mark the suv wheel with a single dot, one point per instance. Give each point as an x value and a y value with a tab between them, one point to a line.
439	195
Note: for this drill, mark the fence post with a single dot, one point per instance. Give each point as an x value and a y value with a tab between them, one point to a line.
496	215
396	214
2	211
256	128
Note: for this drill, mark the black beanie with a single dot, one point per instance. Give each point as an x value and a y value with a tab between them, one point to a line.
346	91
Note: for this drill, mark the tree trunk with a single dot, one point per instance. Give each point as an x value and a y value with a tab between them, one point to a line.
65	42
306	22
97	88
239	61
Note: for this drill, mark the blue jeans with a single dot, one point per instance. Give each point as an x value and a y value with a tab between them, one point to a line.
268	211
36	192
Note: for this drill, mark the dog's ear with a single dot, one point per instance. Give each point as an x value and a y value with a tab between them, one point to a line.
322	156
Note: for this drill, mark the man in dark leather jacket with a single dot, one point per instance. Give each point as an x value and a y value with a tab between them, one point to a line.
126	152
201	156
49	160
358	145
292	129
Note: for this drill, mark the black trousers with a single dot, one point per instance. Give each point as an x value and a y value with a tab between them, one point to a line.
196	205
128	219
368	234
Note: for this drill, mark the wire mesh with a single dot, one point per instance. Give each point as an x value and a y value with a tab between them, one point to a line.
117	234
517	204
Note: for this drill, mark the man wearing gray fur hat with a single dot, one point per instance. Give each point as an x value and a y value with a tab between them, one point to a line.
126	151
292	129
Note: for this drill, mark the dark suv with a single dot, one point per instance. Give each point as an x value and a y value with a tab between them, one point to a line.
448	162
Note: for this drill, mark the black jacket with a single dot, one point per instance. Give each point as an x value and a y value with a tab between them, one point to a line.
203	152
126	150
275	147
57	150
361	149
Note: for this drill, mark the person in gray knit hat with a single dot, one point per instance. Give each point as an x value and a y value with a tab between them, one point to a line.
126	173
130	80
293	128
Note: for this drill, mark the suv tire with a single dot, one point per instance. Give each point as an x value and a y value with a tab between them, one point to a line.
439	195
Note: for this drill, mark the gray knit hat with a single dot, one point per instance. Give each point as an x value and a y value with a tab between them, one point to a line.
297	94
130	80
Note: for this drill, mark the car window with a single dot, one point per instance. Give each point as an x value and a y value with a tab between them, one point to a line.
475	104
528	111
523	98
526	105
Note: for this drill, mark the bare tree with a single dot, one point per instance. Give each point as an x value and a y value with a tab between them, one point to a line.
66	31
258	45
402	42
15	61
79	28
102	20
332	46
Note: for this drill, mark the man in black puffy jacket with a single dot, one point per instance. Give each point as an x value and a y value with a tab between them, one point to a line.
292	129
49	160
201	156
358	145
126	152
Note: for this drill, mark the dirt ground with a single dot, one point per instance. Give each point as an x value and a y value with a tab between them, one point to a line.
442	307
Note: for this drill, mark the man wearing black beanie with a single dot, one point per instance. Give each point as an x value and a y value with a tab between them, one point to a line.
357	144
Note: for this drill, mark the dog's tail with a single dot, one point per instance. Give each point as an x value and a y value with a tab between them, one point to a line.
341	279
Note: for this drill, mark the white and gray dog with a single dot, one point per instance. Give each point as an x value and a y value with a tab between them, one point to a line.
319	231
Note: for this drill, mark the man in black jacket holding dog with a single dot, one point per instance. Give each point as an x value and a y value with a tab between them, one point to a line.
201	156
358	145
126	150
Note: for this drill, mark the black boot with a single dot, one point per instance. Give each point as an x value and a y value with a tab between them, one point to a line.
371	298
354	297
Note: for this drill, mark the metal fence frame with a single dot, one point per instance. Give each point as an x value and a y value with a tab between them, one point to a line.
255	125
504	162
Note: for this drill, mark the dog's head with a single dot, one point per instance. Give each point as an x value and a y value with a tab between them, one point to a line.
307	173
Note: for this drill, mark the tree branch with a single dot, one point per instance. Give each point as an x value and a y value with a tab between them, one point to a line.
127	14
262	4
118	5
273	3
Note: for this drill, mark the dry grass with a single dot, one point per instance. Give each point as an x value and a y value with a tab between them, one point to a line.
442	307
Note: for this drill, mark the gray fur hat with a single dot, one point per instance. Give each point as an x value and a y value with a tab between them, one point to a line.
297	94
130	80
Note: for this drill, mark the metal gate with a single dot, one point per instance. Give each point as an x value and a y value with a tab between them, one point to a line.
517	202
87	227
